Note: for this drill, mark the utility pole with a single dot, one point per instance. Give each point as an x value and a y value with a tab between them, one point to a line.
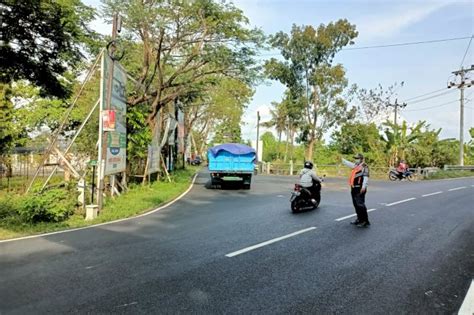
108	98
463	83
395	106
258	131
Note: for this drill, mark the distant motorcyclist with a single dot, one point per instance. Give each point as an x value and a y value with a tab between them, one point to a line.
402	167
309	179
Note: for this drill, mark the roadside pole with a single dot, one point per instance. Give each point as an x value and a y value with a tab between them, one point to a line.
102	134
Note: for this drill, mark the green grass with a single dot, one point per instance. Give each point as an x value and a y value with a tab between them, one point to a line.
139	199
450	174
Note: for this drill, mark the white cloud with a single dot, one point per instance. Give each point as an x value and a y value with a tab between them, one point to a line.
391	22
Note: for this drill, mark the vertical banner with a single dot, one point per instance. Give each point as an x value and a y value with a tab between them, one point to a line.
181	132
113	120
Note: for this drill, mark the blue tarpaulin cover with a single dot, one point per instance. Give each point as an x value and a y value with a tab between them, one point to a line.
234	148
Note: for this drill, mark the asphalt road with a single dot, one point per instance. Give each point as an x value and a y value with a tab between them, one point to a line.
417	257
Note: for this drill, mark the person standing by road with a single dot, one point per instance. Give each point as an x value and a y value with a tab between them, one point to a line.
359	180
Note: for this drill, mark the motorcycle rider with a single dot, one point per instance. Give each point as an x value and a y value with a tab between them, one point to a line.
402	168
309	179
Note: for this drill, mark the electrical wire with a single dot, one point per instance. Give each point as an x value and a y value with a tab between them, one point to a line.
415	97
394	45
435	106
433	96
467	50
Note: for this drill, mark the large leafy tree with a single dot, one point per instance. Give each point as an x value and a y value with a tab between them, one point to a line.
307	72
42	39
359	137
184	47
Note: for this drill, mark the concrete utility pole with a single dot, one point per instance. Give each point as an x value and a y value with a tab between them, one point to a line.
395	106
463	83
258	132
108	98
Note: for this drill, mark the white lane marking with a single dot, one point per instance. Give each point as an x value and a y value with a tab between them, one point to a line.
435	193
398	202
127	304
248	249
106	223
280	196
467	307
457	188
352	215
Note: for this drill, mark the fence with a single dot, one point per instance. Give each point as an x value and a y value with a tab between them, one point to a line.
332	170
459	168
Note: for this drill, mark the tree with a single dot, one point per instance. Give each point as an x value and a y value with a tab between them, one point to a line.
278	120
185	46
363	138
372	104
42	39
307	72
399	138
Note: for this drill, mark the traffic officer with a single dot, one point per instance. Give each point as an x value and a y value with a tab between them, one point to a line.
359	180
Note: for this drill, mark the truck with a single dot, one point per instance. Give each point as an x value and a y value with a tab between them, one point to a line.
232	162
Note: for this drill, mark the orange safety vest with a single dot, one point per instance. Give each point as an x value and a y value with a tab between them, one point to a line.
355	170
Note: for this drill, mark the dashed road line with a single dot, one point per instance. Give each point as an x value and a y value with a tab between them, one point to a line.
398	202
435	193
467	307
352	215
457	188
250	248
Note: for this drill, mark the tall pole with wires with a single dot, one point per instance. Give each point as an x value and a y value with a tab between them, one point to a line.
395	106
463	83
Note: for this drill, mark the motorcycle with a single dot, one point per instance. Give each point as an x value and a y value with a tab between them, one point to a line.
394	175
301	197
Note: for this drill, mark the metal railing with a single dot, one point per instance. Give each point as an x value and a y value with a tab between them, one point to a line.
334	170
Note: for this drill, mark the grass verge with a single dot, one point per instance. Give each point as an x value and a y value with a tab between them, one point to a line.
450	174
139	199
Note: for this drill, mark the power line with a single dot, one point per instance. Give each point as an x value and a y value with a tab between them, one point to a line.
409	43
415	97
394	45
435	106
424	108
431	97
467	50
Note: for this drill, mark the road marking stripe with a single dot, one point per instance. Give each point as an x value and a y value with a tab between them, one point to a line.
457	188
401	201
106	223
250	248
352	215
467	307
435	193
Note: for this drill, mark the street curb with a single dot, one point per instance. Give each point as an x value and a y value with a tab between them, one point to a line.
166	205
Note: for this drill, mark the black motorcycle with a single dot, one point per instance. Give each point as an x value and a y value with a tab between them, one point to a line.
301	197
394	175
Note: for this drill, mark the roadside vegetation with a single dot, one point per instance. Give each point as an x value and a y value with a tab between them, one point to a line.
56	209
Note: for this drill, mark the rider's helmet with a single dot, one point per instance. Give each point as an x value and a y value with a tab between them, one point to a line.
308	165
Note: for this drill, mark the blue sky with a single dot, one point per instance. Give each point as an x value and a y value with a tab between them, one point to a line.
423	68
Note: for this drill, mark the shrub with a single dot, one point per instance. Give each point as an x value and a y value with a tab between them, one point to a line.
8	207
54	205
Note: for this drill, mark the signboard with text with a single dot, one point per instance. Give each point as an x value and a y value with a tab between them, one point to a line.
113	119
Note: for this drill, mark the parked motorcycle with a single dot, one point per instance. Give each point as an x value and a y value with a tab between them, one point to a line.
301	198
394	175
